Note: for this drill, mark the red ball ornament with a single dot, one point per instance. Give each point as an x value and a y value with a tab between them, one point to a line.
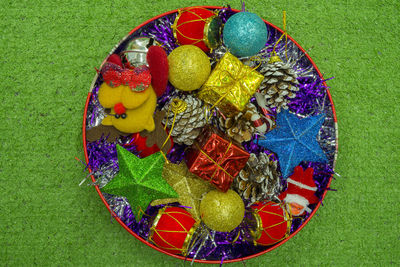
197	26
273	223
172	230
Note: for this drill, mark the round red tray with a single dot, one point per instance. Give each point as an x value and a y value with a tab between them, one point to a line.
151	245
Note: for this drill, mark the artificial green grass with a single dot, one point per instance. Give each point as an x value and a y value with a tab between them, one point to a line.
48	51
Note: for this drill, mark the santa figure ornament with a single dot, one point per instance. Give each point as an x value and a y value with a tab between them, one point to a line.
300	191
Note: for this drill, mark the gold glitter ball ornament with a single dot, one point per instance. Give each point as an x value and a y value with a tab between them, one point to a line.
222	212
189	67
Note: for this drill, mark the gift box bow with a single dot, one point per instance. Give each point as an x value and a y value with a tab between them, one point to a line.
232	81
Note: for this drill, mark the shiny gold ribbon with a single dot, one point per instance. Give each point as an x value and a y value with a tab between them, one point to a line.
176	106
274	57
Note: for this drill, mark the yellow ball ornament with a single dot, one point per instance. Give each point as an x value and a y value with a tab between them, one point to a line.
189	67
222	212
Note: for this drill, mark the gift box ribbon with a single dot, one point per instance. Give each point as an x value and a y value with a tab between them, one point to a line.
216	163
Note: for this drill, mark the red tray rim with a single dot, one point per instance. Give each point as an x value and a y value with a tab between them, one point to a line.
178	256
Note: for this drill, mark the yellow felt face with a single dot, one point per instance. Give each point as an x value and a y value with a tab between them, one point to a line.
131	99
138	119
109	96
107	120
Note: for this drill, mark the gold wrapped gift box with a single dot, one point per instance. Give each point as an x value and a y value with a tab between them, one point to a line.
230	85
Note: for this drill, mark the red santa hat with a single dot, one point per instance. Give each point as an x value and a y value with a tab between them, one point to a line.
301	188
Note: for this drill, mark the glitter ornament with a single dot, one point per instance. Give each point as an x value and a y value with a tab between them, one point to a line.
189	67
222	212
245	34
197	26
271	223
189	187
172	230
139	180
294	140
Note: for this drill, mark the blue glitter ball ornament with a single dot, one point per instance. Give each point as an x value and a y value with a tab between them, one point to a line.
245	34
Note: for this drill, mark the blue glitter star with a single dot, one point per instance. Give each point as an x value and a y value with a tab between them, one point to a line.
294	140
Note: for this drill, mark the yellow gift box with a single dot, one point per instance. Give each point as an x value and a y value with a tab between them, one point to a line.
230	85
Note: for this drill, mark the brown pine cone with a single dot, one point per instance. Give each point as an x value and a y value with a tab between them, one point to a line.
188	122
240	127
259	179
279	84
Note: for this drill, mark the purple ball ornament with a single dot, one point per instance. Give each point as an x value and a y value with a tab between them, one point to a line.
245	34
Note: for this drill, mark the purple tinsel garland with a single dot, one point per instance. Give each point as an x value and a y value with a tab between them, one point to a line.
310	99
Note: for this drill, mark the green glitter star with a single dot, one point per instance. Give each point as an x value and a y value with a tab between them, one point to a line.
139	180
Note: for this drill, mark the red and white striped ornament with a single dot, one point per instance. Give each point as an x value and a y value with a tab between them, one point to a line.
267	122
258	123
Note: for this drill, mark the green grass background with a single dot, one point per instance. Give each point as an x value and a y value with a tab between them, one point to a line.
48	51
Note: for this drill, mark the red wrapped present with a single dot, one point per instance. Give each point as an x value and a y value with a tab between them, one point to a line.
216	159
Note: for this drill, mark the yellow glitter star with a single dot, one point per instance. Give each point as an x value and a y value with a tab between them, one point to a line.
189	187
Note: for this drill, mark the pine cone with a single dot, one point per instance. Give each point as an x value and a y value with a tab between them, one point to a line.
189	122
279	84
259	179
240	128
